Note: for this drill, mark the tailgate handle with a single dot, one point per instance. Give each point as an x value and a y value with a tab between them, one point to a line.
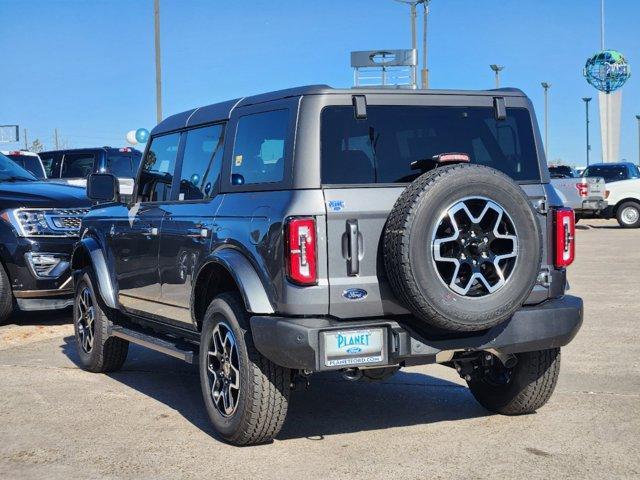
353	261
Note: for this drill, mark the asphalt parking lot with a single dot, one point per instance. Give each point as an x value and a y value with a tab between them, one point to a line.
148	420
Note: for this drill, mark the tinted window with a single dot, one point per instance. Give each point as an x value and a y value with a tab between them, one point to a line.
610	173
122	165
258	154
29	163
201	163
561	171
381	148
77	165
10	171
157	170
51	164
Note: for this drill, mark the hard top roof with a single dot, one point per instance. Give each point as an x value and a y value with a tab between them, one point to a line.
222	111
93	149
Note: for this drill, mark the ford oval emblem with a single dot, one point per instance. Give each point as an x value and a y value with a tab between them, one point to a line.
354	294
354	350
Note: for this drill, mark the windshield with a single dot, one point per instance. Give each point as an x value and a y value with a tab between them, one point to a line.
561	171
123	166
381	148
29	163
9	171
610	173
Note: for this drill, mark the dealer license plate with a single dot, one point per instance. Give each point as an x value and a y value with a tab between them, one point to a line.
354	347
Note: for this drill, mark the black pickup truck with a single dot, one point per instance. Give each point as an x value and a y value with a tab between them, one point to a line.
39	223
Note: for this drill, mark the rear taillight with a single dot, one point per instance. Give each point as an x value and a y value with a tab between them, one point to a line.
565	232
301	251
606	194
583	189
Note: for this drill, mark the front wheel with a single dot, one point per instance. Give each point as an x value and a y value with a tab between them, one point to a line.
97	351
245	394
522	389
6	297
628	215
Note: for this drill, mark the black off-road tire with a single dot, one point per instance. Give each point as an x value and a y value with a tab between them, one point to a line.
531	384
6	297
622	221
107	354
408	243
264	386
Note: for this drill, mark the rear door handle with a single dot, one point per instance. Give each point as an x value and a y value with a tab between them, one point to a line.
353	261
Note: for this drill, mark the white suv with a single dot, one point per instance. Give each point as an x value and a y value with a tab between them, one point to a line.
623	191
28	160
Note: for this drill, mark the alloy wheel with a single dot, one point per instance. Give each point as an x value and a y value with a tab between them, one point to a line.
86	319
475	247
223	369
630	215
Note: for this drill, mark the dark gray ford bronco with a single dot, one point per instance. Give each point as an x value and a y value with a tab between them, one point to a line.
315	229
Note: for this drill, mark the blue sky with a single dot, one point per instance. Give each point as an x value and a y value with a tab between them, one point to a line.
87	67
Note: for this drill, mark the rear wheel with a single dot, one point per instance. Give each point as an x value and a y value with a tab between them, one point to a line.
628	215
521	389
97	351
245	394
6	297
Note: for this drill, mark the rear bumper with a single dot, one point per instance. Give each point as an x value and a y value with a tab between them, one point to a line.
296	342
593	206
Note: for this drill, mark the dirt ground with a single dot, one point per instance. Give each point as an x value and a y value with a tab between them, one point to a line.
148	420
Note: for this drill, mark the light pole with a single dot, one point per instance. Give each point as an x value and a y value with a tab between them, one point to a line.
638	118
546	87
497	69
424	72
586	105
156	25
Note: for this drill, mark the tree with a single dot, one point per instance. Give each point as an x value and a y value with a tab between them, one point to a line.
36	146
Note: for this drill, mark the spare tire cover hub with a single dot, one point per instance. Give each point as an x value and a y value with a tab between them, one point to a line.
475	247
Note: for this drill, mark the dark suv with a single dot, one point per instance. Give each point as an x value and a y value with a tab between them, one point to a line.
316	229
39	224
74	165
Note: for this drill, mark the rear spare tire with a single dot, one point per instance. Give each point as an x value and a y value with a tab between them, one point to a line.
462	247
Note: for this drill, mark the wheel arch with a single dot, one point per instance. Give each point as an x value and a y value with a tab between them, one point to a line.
228	270
88	253
625	200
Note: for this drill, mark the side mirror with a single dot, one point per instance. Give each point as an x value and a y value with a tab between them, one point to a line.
103	187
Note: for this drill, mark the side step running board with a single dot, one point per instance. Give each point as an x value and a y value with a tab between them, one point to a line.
156	343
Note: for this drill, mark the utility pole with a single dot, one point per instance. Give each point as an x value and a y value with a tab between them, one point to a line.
497	69
156	17
586	104
425	70
546	87
26	143
55	131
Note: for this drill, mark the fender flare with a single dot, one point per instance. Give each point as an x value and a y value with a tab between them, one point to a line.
105	286
240	268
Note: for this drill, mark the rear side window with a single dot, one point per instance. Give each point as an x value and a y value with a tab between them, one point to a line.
258	153
30	164
610	173
51	164
157	171
201	163
77	165
381	148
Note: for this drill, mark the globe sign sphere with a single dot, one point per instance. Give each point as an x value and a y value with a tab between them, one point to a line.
607	70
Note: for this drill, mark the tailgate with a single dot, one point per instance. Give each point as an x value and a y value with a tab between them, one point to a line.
355	225
597	187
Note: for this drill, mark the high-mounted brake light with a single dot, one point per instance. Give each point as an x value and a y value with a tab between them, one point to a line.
300	251
125	150
15	152
565	235
583	189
